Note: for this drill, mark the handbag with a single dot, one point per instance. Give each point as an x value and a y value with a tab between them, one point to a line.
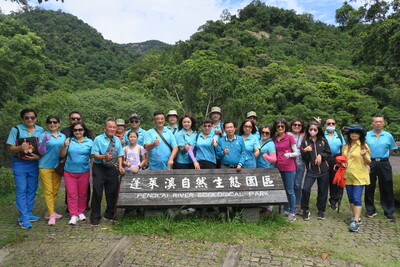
61	164
113	162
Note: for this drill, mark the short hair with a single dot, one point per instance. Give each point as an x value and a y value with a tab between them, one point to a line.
299	120
108	120
193	120
207	121
330	119
27	110
276	122
225	123
253	127
158	112
74	112
377	116
52	117
263	127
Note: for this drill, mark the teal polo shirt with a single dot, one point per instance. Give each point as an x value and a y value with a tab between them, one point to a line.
218	127
268	147
380	147
142	134
204	148
23	132
159	155
78	155
237	150
173	130
251	143
335	143
50	159
182	137
101	144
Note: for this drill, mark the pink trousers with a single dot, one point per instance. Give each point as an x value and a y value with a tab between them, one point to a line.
77	187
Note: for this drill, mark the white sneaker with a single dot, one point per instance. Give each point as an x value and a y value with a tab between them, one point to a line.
73	220
81	217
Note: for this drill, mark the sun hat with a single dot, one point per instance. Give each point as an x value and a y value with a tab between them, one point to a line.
216	110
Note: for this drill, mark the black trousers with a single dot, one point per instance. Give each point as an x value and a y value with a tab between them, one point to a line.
381	170
335	191
107	178
204	164
323	183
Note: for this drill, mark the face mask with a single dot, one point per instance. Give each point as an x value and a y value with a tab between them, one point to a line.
330	128
312	133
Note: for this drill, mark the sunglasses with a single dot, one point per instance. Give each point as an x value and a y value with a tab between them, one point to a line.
134	121
247	126
313	130
331	123
206	126
78	130
262	132
297	125
29	118
75	119
52	122
280	126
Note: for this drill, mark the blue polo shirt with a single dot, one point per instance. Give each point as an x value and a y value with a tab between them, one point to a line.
183	137
78	155
173	130
23	132
237	150
142	134
268	147
101	144
257	133
159	155
204	148
251	143
218	127
50	159
380	147
335	142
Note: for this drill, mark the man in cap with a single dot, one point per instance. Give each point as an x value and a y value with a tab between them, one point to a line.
381	143
252	115
134	121
120	130
215	116
172	118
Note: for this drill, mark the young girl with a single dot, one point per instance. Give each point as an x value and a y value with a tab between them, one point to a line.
133	154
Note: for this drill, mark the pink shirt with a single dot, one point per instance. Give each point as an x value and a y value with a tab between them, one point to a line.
284	146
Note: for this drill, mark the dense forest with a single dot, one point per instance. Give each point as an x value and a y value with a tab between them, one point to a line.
266	59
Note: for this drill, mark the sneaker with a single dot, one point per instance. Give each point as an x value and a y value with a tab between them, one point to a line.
25	224
191	210
33	218
81	217
298	211
108	220
52	220
73	220
354	227
94	223
306	215
333	206
370	213
285	214
321	215
47	216
291	217
349	221
390	217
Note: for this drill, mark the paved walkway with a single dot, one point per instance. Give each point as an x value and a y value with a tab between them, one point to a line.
84	245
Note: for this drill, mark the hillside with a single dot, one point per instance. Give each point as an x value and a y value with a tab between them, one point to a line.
143	47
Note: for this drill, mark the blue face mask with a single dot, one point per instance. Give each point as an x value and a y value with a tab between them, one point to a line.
330	128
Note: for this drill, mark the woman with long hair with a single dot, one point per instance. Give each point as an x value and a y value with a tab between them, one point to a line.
286	152
357	172
50	143
186	141
315	152
248	132
77	148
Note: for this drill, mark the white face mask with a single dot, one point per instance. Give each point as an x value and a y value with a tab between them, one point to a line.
330	128
313	133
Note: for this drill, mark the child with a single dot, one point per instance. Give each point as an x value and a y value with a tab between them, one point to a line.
134	154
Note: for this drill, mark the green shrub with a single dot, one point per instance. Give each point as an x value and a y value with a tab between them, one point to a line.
7	185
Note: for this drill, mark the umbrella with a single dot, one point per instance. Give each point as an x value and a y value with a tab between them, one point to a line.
339	177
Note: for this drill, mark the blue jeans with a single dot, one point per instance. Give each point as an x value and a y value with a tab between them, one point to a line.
354	193
299	182
288	182
26	175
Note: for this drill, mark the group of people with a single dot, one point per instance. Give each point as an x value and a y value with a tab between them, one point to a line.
302	153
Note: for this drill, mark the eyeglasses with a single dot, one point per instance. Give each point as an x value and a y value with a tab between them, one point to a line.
247	126
52	122
331	123
29	118
206	126
262	132
280	126
75	119
313	130
78	130
297	125
134	121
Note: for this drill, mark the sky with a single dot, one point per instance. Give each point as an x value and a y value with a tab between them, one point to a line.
170	21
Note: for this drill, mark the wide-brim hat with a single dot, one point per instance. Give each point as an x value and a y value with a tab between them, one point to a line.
172	113
120	122
251	114
356	128
216	110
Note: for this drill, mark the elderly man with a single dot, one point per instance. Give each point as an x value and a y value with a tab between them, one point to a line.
135	121
107	166
380	143
160	144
